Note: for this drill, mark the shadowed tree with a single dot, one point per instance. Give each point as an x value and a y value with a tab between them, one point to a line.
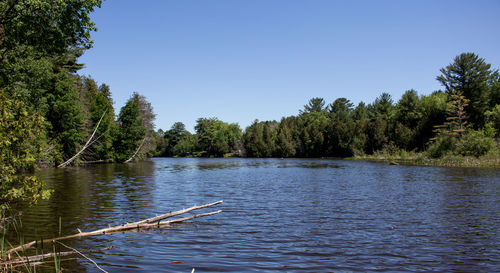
130	131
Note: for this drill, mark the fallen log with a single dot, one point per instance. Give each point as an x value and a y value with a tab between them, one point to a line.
149	223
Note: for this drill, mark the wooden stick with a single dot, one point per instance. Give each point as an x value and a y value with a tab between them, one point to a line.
175	213
128	227
147	223
83	256
30	259
37	263
84	146
157	225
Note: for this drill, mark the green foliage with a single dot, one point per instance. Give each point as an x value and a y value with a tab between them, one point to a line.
382	107
178	141
65	115
147	116
313	134
50	27
473	78
19	146
130	131
377	134
216	138
441	147
340	129
456	119
407	112
493	117
103	104
259	139
432	109
314	105
185	146
286	138
494	96
476	142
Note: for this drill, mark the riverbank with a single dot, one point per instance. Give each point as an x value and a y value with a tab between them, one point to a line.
420	159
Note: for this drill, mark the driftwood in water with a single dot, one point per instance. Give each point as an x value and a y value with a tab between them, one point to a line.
136	151
36	258
87	144
143	224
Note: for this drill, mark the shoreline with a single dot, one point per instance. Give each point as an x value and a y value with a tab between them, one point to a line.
421	160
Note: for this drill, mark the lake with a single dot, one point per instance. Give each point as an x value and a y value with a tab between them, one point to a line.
279	215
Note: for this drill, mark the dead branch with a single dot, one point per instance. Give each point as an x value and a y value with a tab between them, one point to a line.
84	146
146	223
83	256
136	151
35	258
175	213
95	140
33	264
167	223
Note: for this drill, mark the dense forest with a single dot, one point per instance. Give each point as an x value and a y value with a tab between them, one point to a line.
464	120
49	113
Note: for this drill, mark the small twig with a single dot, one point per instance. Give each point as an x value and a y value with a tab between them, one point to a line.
83	256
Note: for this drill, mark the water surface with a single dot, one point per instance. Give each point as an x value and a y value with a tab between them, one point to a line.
292	215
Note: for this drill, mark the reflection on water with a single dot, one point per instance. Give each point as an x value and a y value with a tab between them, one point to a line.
219	163
279	215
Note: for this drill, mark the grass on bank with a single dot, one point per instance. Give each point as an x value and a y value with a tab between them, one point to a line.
491	159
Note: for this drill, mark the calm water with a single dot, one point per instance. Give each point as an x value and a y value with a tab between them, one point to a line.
292	215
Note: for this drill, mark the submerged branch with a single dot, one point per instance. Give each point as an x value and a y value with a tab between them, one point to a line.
36	258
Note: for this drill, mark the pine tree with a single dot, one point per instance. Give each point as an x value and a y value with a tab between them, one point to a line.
456	119
471	77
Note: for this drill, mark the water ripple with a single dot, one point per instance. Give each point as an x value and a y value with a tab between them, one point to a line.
292	215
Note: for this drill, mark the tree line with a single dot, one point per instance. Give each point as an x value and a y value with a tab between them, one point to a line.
47	111
462	119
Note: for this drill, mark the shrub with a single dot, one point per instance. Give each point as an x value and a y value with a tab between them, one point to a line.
441	147
477	142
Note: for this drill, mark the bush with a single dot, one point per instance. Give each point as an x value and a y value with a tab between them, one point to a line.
441	147
477	142
494	118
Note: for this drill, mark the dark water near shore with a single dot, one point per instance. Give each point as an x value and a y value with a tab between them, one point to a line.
293	215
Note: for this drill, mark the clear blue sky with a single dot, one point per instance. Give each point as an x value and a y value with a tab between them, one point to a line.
241	60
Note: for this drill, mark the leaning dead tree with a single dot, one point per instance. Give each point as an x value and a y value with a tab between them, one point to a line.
136	151
87	144
153	222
